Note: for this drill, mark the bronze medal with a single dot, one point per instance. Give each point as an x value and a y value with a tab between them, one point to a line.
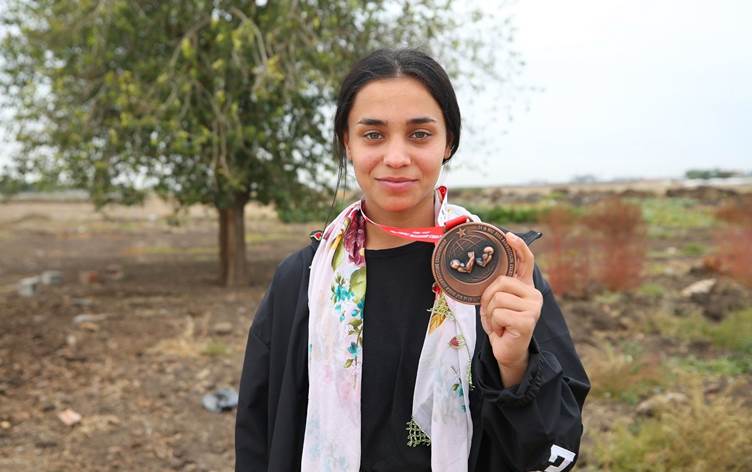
468	258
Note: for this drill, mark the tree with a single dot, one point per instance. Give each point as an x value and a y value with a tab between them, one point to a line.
715	173
205	101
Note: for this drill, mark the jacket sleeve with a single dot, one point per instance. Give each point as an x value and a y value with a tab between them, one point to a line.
251	422
273	372
536	425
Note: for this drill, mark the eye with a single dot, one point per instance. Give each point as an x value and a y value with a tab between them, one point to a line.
421	134
372	135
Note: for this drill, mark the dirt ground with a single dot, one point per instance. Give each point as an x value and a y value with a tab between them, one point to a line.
165	334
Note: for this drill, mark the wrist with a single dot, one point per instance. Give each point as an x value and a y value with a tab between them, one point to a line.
512	373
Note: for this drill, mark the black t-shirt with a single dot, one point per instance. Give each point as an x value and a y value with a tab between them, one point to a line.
396	314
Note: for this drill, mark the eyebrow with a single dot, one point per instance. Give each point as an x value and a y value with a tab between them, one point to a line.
412	121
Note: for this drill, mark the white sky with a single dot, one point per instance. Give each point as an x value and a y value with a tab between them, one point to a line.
629	89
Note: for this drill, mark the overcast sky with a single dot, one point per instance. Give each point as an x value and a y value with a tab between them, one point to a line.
628	88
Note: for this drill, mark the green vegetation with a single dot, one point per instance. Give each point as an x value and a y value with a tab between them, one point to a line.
626	377
557	195
730	366
693	250
690	327
706	174
218	103
216	349
651	290
655	268
318	208
674	213
734	333
13	181
504	215
699	435
697	430
608	297
688	250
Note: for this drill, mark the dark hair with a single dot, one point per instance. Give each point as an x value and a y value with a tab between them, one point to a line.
389	64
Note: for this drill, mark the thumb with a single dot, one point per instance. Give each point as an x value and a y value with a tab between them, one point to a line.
524	263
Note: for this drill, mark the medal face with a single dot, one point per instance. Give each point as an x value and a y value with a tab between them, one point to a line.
468	258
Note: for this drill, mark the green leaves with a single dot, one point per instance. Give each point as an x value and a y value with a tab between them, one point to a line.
208	101
187	48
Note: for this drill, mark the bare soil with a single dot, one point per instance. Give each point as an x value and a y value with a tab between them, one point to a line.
138	373
168	333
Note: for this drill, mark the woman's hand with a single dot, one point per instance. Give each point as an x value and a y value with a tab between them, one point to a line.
509	309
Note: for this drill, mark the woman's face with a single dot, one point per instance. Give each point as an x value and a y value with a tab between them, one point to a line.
396	139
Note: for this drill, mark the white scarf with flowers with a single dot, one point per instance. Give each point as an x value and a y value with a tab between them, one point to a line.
336	297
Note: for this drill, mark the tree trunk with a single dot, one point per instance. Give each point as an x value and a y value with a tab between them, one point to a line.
232	263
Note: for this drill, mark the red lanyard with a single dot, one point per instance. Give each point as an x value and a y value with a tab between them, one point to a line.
429	234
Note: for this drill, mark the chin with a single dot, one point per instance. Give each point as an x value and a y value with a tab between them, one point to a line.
397	203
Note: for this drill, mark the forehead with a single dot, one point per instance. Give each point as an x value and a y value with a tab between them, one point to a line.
395	99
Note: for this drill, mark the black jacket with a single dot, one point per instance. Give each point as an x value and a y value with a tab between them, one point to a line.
527	427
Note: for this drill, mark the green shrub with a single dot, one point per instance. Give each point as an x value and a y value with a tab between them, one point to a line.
730	366
626	377
734	333
216	349
651	290
693	250
699	435
507	215
309	211
675	213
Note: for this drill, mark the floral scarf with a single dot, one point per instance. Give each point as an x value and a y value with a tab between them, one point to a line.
336	297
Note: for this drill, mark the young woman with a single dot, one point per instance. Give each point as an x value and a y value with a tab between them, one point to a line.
378	370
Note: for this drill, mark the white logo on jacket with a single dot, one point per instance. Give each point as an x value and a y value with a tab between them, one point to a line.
556	453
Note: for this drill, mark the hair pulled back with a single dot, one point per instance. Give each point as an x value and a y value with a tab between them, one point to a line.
389	64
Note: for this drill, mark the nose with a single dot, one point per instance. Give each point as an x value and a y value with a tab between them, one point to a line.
396	154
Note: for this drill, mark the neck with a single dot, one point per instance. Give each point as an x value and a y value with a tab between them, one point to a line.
421	215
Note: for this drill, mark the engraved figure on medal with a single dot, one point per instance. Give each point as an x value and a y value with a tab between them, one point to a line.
468	258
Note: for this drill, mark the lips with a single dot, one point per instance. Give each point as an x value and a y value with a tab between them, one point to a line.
395	179
397	184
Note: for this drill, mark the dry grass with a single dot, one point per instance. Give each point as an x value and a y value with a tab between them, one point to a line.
734	239
626	377
604	248
189	343
705	434
567	259
619	233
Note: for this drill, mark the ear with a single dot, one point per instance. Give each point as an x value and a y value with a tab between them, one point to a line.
346	143
447	153
448	149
